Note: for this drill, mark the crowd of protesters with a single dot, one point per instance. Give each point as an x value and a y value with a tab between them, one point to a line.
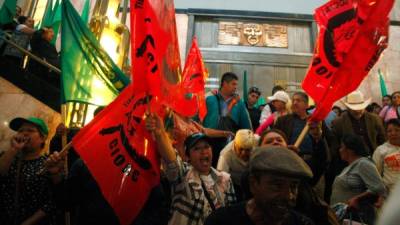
23	32
240	165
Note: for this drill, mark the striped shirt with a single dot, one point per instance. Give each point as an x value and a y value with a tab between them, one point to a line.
189	204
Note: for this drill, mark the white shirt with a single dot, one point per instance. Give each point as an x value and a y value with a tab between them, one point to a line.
387	160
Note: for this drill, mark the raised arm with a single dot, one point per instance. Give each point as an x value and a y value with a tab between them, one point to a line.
155	125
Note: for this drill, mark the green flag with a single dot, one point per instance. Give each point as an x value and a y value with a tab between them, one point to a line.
245	86
88	74
7	11
48	15
383	85
85	12
56	20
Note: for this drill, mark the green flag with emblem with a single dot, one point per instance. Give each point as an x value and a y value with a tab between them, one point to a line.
88	74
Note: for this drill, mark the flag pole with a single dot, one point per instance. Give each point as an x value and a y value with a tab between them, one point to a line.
302	135
62	153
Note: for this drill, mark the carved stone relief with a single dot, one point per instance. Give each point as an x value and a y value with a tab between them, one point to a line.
253	34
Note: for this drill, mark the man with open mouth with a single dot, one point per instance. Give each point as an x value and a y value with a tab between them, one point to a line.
197	188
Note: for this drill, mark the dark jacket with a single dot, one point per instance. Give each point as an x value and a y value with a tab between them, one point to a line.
255	114
375	130
285	124
321	154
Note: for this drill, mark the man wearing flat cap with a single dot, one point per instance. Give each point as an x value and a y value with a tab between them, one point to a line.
275	173
25	195
197	188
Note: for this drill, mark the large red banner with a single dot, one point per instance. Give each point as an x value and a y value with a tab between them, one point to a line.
120	154
352	35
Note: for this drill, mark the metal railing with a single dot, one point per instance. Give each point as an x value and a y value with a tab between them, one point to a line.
30	54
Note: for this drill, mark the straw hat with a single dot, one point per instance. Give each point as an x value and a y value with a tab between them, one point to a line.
355	101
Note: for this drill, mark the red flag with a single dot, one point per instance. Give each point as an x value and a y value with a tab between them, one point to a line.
120	153
149	45
155	45
352	35
194	78
194	73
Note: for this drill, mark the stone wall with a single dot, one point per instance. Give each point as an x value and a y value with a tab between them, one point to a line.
15	103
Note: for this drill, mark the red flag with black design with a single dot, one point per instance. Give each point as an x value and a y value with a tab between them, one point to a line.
155	44
149	46
352	35
120	154
194	79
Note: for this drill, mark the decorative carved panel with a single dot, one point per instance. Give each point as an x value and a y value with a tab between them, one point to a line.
253	34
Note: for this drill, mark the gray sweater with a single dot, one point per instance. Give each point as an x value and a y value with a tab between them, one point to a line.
358	177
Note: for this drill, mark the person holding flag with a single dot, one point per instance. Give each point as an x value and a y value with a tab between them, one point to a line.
197	188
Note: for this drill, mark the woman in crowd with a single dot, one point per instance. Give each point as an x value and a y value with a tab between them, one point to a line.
391	111
25	25
359	184
387	156
197	188
281	101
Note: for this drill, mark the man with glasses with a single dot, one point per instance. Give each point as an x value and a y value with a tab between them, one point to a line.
25	195
254	112
275	174
234	158
197	188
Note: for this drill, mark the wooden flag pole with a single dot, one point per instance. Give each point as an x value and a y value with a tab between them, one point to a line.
302	135
64	153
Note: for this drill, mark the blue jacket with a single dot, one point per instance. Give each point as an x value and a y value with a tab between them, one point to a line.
238	113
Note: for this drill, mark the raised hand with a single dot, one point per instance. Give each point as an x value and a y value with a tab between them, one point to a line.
55	163
19	141
154	124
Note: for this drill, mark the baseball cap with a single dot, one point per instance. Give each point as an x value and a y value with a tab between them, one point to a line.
16	123
279	160
192	140
281	96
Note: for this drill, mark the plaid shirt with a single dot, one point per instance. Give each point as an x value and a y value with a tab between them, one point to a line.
189	204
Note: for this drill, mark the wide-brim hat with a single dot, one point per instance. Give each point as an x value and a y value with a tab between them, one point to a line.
16	123
355	101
